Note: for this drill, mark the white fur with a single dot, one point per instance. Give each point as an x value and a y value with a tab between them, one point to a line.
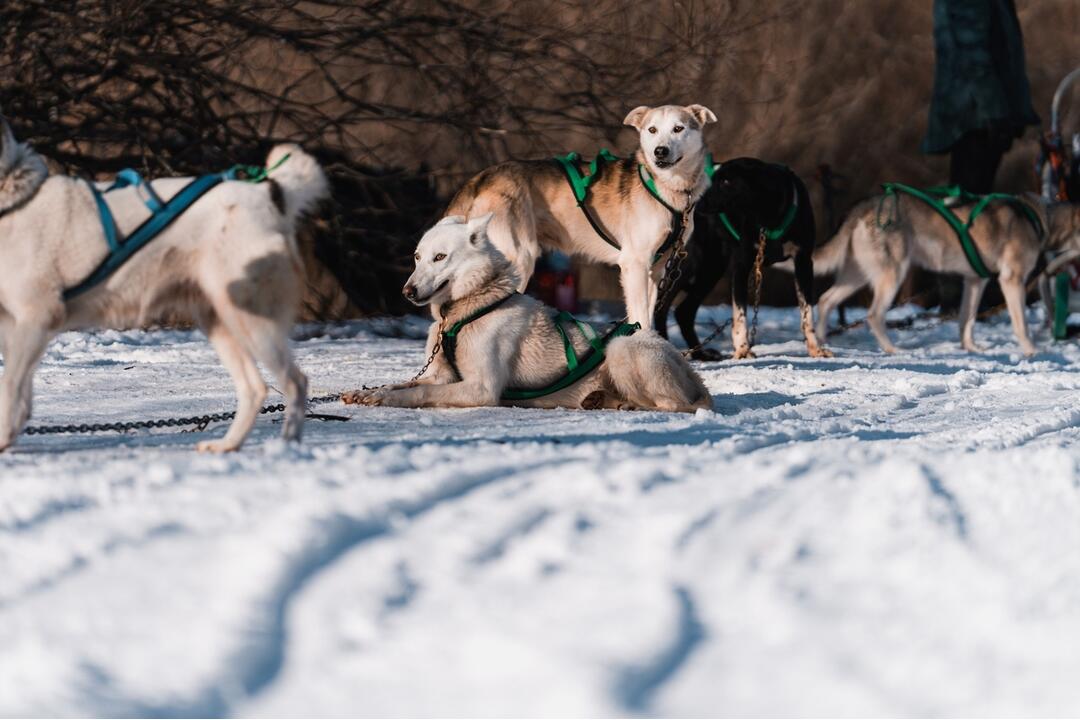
230	260
459	271
535	210
22	171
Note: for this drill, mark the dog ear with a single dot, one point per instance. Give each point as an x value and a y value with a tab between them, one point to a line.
478	228
636	117
452	220
702	114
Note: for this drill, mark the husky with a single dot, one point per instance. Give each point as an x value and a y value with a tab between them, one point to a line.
752	195
535	208
863	252
514	342
230	260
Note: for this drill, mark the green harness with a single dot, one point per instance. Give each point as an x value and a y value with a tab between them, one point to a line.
771	234
935	197
580	184
576	368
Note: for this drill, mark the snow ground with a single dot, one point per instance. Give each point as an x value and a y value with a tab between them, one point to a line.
863	535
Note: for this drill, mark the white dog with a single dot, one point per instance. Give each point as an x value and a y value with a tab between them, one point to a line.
230	260
621	222
498	346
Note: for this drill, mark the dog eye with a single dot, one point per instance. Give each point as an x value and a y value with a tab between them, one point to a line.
439	256
652	130
416	257
678	128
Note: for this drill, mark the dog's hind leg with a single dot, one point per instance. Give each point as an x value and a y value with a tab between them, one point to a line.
847	283
1012	287
804	291
25	339
250	387
886	286
739	295
513	232
969	305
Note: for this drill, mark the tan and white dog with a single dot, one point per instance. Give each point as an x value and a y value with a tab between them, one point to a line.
515	342
230	260
863	252
536	210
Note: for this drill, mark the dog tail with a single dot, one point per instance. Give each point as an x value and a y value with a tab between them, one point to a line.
829	258
299	176
650	373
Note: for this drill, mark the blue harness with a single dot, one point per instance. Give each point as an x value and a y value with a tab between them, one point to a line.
121	249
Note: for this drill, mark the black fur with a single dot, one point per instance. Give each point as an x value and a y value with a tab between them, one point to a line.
753	194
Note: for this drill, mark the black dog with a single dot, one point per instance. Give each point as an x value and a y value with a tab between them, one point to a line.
748	198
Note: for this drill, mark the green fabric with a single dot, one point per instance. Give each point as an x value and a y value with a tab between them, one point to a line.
935	197
576	368
773	234
1062	286
255	173
979	77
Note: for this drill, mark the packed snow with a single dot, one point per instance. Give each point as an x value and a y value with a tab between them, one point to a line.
867	534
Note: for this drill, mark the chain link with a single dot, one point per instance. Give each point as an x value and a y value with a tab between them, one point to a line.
717	329
759	261
673	266
200	422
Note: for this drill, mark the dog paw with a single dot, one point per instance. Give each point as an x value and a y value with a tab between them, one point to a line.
743	353
593	401
363	397
821	353
707	355
216	447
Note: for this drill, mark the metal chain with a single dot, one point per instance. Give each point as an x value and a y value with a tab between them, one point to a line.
759	261
717	329
435	349
200	422
673	266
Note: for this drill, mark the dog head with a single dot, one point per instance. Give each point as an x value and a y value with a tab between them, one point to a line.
22	171
454	259
671	135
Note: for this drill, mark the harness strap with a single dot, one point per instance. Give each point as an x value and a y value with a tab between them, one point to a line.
771	234
131	178
577	368
933	198
120	252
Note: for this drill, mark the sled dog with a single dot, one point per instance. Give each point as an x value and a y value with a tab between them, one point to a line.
747	196
864	252
514	341
229	260
535	208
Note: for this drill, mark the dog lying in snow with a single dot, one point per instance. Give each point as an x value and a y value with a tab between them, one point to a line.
535	208
515	343
230	260
863	252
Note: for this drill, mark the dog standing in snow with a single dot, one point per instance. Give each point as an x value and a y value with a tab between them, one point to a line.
535	208
513	342
230	260
863	252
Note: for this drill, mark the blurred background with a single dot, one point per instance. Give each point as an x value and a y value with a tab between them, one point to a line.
404	100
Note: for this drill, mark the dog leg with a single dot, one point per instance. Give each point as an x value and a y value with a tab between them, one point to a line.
1012	287
250	389
24	343
639	290
885	288
739	292
706	276
804	290
847	283
969	306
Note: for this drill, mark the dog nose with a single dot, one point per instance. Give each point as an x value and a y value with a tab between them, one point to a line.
661	152
409	291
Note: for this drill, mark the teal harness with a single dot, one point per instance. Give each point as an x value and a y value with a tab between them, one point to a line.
576	368
162	214
580	185
935	197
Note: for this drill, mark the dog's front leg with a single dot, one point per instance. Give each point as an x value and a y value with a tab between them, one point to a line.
639	290
24	343
467	393
739	293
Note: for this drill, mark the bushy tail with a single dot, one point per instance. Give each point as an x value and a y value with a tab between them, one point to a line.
650	373
829	258
300	178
